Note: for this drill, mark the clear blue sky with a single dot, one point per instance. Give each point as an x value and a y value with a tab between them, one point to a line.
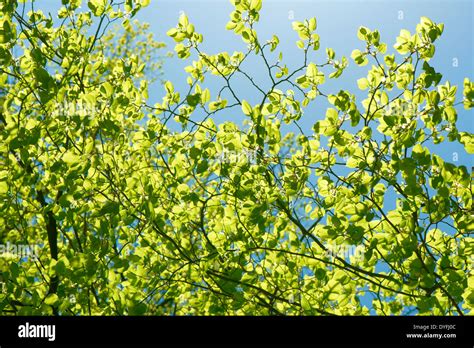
338	21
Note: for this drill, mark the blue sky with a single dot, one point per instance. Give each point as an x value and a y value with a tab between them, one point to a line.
338	21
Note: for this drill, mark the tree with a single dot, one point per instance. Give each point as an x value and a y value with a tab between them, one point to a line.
162	209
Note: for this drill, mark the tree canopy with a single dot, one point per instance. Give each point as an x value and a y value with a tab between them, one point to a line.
162	209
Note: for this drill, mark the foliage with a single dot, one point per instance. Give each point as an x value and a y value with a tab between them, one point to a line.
136	217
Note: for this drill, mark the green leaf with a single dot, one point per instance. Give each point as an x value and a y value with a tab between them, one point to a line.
363	83
97	6
3	187
183	20
193	99
256	5
107	89
312	24
305	304
246	108
468	141
70	158
362	33
110	208
311	70
52	300
359	57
